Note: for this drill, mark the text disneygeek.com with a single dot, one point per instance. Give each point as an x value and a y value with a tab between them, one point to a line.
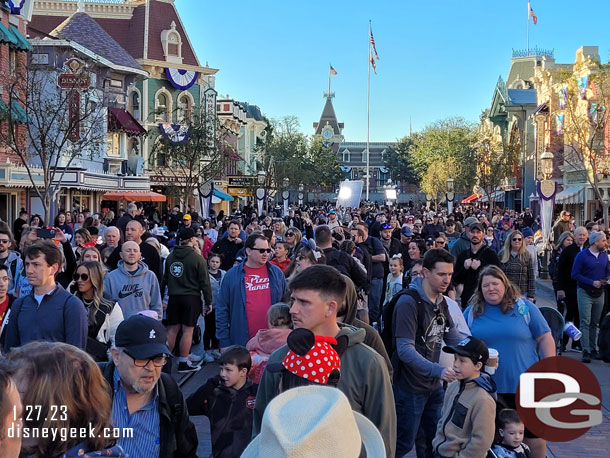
63	434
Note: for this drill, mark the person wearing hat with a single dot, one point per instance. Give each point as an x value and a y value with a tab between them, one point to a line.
144	398
433	226
466	426
317	294
406	235
470	262
187	279
591	271
315	422
463	242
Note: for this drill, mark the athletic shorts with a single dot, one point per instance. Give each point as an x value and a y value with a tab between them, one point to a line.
183	310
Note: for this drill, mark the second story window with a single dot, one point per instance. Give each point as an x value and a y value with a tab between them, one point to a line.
135	105
161	108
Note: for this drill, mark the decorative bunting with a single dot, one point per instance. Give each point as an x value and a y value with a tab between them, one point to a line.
181	79
582	86
175	133
16	6
563	97
559	123
384	169
346	169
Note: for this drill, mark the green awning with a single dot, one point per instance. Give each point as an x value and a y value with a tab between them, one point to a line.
21	43
6	36
17	112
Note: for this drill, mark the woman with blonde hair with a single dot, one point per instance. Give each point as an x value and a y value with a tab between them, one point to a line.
104	314
293	238
68	393
518	265
516	329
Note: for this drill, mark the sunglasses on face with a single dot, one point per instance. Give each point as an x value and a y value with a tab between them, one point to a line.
289	234
5	241
387	226
262	250
517	239
83	277
440	242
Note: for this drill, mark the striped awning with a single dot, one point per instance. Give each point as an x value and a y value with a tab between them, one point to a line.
571	195
497	196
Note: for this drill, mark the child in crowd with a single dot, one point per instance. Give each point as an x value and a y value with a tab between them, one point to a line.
209	334
281	258
266	341
394	282
511	430
228	401
466	426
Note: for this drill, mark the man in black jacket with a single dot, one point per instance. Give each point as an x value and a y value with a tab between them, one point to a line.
229	246
470	262
567	301
138	384
340	260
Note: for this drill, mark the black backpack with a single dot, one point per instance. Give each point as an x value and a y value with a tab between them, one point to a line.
388	315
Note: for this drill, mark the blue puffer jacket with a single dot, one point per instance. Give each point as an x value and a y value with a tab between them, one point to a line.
231	319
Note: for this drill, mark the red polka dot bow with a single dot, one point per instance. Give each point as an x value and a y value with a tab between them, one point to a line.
317	364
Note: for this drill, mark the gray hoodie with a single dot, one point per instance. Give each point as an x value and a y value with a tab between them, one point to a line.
14	264
134	291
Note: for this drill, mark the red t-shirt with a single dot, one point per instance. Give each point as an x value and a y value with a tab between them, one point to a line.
258	298
3	307
282	265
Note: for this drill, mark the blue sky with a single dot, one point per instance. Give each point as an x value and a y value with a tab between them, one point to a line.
438	58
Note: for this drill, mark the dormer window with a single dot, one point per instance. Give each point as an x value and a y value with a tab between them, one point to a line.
172	44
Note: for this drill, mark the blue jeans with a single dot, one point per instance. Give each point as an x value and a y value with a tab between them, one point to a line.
590	311
412	411
375	299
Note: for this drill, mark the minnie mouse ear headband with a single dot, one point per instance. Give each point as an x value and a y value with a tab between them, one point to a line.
313	358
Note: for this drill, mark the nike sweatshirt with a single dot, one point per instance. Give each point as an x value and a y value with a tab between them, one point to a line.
134	291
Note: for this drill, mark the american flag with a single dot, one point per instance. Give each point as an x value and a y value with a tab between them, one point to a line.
373	63
530	13
372	40
332	71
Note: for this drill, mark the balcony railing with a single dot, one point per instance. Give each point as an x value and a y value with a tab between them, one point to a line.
535	51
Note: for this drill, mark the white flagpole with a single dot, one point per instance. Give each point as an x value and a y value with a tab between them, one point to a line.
368	105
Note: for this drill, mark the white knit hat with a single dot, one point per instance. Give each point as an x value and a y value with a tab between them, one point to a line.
314	422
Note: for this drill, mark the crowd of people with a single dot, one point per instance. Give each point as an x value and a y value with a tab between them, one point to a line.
389	320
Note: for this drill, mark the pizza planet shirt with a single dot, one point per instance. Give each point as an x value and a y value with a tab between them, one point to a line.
258	298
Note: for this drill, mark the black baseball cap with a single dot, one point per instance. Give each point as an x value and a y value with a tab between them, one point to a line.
186	234
472	348
143	337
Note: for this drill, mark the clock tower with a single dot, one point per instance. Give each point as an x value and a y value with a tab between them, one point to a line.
329	128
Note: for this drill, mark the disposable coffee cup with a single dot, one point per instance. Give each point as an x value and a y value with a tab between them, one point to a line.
492	361
572	331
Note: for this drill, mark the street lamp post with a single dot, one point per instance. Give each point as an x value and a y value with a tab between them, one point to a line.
286	194
450	195
546	192
301	195
261	192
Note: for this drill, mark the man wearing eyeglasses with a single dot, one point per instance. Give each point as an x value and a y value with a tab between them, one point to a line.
144	398
246	293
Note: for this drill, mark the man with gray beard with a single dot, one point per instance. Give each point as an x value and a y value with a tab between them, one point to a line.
144	398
